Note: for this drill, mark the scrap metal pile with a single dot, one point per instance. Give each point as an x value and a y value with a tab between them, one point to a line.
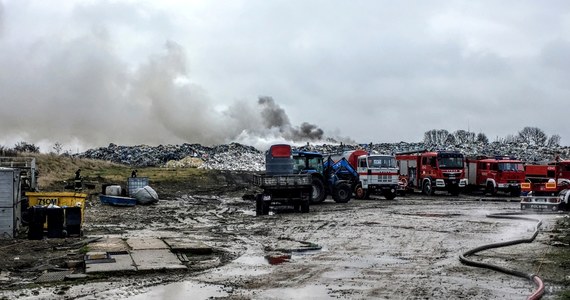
238	157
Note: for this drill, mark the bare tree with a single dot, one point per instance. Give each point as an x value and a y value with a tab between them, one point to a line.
533	136
451	140
464	136
509	139
553	141
482	138
57	147
436	137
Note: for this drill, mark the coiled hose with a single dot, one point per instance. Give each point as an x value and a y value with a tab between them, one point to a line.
537	294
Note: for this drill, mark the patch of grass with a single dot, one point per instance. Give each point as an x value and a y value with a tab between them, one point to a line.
560	257
84	249
565	295
54	170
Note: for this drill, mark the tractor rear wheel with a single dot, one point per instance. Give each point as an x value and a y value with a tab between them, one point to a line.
318	192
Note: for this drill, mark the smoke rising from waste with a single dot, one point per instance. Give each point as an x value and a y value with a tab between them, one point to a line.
275	117
97	99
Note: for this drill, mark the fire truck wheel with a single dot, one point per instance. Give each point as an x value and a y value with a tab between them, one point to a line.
342	193
305	207
454	191
361	193
258	205
490	189
427	189
389	195
318	194
515	193
265	208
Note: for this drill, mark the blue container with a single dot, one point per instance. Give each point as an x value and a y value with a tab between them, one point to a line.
278	166
73	220
37	218
55	219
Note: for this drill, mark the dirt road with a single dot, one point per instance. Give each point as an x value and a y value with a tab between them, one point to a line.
366	249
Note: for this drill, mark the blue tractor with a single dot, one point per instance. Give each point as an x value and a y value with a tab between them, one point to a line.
328	178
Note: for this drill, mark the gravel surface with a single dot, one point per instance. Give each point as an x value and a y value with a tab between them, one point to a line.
373	249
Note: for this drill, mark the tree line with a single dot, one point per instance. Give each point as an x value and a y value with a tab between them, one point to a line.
531	136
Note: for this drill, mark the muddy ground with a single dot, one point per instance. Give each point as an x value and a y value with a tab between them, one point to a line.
406	248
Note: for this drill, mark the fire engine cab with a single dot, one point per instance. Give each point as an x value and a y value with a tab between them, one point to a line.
546	186
494	174
428	171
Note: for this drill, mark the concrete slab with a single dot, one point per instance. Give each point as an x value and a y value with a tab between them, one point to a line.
157	259
113	245
188	246
146	244
123	262
92	255
53	276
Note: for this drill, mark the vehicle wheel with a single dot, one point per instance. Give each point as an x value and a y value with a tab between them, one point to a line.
342	193
265	208
389	195
305	207
361	193
454	191
490	189
515	192
318	193
427	189
296	207
523	207
258	205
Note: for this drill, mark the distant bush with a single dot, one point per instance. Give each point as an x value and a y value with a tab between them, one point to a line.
4	151
26	147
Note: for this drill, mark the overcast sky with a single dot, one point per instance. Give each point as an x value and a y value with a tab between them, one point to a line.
88	73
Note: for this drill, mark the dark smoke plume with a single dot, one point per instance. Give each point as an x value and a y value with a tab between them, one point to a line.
274	116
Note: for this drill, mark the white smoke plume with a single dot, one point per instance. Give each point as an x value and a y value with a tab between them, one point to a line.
80	94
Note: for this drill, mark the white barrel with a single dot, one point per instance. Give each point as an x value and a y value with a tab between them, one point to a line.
113	190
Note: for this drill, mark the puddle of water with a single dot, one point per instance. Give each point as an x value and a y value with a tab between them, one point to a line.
248	212
306	292
182	291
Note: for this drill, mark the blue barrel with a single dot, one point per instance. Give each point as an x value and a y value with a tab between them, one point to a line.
73	220
37	218
55	219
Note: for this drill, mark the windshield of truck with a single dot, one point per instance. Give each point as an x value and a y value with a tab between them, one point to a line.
450	161
381	162
510	166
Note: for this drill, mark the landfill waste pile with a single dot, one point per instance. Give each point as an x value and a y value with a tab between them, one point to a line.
238	157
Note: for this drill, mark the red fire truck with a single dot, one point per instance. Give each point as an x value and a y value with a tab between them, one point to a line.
494	174
430	171
546	186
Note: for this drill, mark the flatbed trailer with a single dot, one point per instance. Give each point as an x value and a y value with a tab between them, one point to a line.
294	190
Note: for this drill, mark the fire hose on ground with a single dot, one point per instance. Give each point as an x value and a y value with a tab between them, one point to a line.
537	294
